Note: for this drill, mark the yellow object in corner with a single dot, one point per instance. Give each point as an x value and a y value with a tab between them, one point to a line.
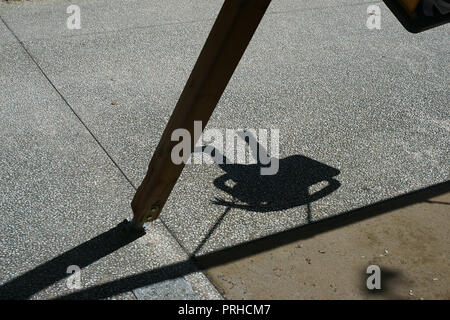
409	5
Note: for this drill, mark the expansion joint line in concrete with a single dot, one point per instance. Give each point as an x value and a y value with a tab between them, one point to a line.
66	102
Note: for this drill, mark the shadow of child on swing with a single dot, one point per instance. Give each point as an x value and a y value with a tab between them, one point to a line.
299	180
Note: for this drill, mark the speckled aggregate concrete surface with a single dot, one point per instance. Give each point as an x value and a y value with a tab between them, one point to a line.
370	105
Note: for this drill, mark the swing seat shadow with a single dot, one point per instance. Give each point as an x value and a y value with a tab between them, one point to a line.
299	181
292	186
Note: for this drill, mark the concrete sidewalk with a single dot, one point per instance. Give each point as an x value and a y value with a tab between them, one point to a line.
330	260
81	112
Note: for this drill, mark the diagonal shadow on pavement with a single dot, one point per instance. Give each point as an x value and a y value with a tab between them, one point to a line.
44	275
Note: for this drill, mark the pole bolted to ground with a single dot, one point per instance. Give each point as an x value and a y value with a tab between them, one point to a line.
226	43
